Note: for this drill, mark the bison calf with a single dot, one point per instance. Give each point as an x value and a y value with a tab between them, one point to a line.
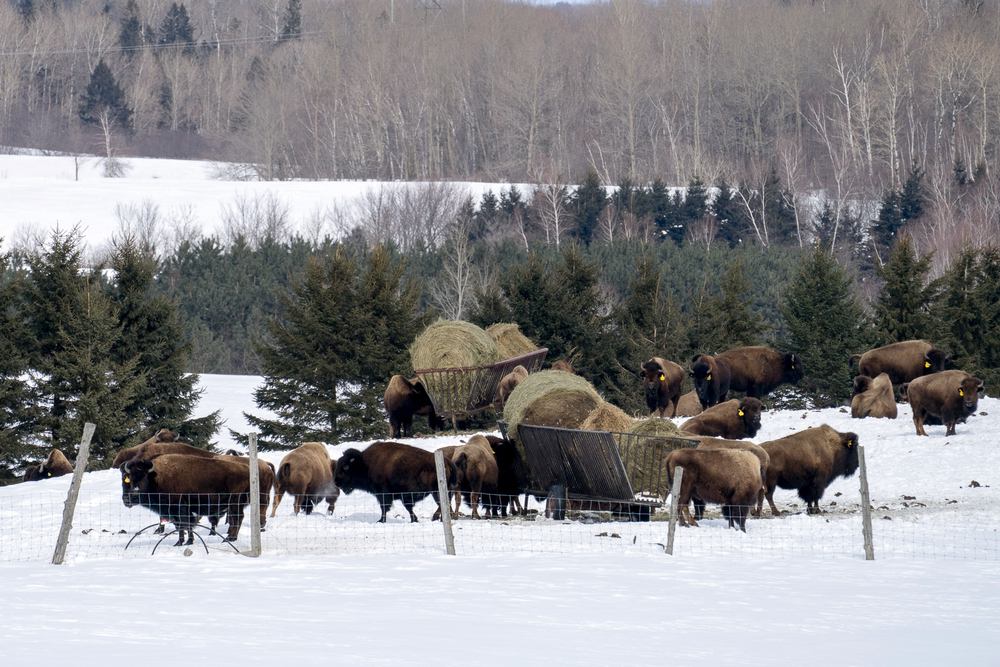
734	419
728	477
306	472
873	397
809	461
950	396
661	384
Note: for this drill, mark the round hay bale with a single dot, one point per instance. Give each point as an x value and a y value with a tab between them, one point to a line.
452	344
550	398
644	453
654	426
607	417
509	340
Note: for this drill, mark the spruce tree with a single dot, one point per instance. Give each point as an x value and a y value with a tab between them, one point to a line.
587	203
130	29
959	317
986	298
903	308
176	27
889	220
291	22
825	325
727	319
104	95
695	201
727	211
778	212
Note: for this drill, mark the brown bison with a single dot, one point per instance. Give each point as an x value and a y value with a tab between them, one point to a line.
688	405
563	365
950	396
661	383
148	447
735	419
756	450
183	488
306	472
809	461
725	476
902	362
873	397
476	469
512	477
56	465
758	370
405	398
392	471
509	382
711	379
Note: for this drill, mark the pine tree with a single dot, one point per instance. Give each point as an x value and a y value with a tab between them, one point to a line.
130	29
291	22
695	201
485	220
778	213
727	320
104	95
587	203
176	27
959	325
824	225
912	196
825	325
726	210
658	207
889	220
903	309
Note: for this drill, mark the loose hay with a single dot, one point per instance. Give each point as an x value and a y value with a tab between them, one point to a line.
644	450
509	340
550	398
607	417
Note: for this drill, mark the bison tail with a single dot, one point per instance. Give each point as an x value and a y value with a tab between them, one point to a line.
283	473
853	360
461	461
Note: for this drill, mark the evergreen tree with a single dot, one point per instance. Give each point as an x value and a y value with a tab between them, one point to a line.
726	210
130	29
825	325
824	225
778	212
104	95
291	22
727	320
658	207
889	220
176	27
485	220
695	201
587	203
960	173
903	309
912	196
959	327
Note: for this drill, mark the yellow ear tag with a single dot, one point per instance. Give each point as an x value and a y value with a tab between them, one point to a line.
927	364
49	474
127	480
708	377
739	412
960	392
663	377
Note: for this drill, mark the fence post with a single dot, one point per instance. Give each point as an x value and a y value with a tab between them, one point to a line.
444	503
866	506
675	492
254	496
74	492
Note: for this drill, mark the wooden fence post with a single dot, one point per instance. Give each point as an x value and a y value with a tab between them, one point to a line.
866	506
444	502
254	496
74	492
675	492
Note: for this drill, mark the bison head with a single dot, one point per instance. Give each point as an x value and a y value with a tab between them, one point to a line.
969	391
849	442
935	361
136	478
653	378
701	375
351	471
862	383
749	412
792	370
33	473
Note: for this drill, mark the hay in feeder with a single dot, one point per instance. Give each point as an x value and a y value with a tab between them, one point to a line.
607	417
509	340
644	452
654	426
550	398
452	344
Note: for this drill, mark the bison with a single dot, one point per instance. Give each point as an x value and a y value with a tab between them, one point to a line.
512	477
726	476
56	465
306	472
711	379
689	405
564	365
184	488
758	370
476	468
734	419
163	436
405	398
661	383
509	382
873	397
903	361
949	396
809	461
392	471
756	450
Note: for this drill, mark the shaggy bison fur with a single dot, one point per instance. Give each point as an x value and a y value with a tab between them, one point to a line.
949	396
734	419
403	399
728	477
873	397
306	473
758	370
809	461
509	382
903	361
476	468
661	384
711	379
56	465
689	405
756	450
392	471
162	442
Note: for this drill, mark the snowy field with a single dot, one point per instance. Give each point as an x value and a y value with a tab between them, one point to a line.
346	589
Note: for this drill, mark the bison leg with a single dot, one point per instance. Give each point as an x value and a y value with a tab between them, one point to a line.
180	538
385	502
769	494
699	508
161	528
331	502
408	504
918	421
213	522
458	503
278	495
307	505
951	427
759	509
474	501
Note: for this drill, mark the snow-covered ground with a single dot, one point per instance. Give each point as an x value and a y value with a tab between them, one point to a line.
343	588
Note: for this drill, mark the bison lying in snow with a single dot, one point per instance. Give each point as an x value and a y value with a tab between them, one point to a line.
661	383
809	461
950	396
903	361
392	471
735	419
758	370
711	378
306	472
477	472
873	397
509	382
405	398
56	465
729	477
183	488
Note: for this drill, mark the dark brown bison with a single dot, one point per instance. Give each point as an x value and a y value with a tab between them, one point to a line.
392	471
689	405
56	465
950	396
735	419
150	448
711	379
306	472
512	477
509	382
903	361
476	469
31	473
405	398
183	489
873	397
729	477
758	451
758	370
809	461
661	384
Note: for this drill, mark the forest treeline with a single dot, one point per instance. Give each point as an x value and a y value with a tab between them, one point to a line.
840	98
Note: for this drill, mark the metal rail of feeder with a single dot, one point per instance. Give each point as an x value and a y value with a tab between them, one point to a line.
462	391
